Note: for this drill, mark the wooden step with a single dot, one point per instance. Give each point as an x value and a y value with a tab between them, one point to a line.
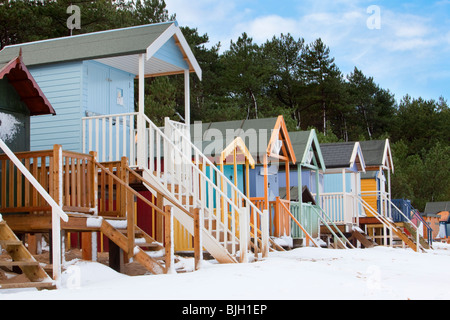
139	255
412	231
10	264
365	240
21	257
151	245
10	243
19	285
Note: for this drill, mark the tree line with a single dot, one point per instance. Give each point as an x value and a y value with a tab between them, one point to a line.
284	75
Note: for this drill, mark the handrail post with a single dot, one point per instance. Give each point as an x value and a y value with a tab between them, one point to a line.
244	227
128	206
57	194
168	240
198	227
94	197
94	182
265	233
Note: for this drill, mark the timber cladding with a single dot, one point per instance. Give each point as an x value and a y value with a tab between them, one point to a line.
369	185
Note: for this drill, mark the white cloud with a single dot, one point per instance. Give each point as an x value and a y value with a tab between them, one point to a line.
264	28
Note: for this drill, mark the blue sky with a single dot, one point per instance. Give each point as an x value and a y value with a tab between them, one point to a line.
408	51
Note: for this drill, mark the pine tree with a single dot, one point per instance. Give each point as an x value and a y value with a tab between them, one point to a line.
323	80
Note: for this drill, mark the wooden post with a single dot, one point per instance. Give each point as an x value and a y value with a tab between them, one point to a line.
116	259
344	197
127	206
141	158
244	227
159	219
34	241
247	177
86	246
56	221
94	181
94	197
198	226
288	182
265	233
266	183
168	240
187	100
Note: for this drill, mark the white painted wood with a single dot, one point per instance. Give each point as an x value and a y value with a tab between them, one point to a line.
187	101
244	215
141	160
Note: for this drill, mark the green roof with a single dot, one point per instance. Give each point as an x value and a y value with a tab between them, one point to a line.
109	46
302	142
87	46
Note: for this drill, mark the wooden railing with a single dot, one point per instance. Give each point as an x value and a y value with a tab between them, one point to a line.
116	177
57	212
175	164
75	179
340	206
282	222
309	220
279	220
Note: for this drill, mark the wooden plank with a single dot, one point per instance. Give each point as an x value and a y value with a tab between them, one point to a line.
39	285
86	246
197	243
3	184
168	238
10	242
19	189
27	185
22	256
139	255
9	264
11	184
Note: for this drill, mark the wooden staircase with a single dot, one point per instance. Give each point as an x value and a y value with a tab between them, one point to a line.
401	232
17	256
149	253
382	223
359	235
122	229
178	174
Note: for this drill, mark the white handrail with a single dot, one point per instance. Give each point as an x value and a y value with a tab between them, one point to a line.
235	192
170	147
386	222
211	164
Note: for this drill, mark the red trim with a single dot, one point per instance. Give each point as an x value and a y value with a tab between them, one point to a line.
31	94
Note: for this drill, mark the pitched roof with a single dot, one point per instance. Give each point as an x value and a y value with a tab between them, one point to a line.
111	47
214	137
238	148
436	207
26	87
302	142
342	155
377	153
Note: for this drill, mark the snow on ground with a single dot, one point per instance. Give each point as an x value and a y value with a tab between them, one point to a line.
300	274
